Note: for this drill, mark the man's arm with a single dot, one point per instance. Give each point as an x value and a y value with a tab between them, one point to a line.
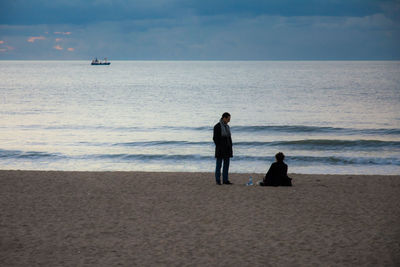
217	134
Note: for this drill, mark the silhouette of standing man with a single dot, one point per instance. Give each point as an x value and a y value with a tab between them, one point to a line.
223	148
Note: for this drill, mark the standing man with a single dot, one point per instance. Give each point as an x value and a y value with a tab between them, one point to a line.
223	148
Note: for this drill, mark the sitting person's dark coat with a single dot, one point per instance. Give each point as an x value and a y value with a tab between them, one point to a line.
277	173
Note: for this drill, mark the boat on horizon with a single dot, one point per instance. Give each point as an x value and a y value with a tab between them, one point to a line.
100	62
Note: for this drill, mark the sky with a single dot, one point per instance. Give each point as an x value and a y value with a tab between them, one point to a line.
200	29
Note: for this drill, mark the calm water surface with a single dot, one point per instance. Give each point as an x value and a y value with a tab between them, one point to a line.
327	117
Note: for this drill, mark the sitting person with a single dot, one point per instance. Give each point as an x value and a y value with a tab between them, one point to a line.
277	173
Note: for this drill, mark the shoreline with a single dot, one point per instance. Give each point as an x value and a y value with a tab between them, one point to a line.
197	172
75	218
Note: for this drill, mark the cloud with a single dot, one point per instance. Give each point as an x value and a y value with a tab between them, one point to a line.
34	38
28	12
63	33
263	37
6	48
57	47
190	29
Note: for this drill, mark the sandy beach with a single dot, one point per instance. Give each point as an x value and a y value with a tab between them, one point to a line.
183	219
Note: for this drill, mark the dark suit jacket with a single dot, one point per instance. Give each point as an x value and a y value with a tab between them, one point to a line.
223	144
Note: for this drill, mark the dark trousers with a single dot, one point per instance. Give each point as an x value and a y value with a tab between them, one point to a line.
224	170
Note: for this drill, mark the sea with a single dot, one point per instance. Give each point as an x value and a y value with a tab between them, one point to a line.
327	117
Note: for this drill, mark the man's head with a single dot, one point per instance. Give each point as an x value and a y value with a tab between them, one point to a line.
280	157
226	117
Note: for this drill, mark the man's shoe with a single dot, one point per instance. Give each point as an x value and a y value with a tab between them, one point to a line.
218	183
228	182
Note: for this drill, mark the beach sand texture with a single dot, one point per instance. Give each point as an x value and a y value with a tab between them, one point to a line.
184	219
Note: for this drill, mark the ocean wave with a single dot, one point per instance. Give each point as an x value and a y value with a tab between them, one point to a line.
162	143
176	158
17	154
145	157
330	160
81	127
306	144
332	144
335	160
293	129
289	129
298	160
314	129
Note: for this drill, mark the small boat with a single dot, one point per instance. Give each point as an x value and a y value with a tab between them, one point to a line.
100	62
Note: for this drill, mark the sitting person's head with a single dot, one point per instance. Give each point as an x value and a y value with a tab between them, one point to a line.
280	157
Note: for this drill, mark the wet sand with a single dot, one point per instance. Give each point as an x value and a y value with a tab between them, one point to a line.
184	219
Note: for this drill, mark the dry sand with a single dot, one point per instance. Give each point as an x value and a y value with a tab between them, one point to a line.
184	219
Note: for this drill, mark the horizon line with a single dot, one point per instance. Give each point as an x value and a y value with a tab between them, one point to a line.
204	59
